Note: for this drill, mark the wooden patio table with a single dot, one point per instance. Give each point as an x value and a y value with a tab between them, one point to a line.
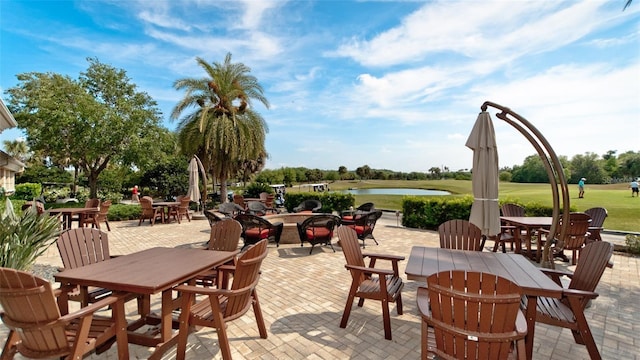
166	206
424	261
151	271
529	224
67	214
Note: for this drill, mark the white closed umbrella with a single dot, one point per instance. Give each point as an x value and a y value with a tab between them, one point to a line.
485	212
194	178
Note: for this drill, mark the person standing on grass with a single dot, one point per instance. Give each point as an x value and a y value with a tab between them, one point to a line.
634	187
581	188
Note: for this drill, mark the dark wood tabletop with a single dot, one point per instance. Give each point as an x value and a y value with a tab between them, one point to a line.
424	261
146	272
151	271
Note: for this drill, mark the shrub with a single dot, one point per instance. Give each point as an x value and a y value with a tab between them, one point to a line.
24	237
120	212
27	191
331	201
431	212
633	242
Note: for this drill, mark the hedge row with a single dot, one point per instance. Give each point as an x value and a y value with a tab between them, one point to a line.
429	213
331	201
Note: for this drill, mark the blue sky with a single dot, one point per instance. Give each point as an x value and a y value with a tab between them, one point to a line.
392	85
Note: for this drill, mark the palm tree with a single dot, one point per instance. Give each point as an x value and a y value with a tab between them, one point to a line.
223	130
17	149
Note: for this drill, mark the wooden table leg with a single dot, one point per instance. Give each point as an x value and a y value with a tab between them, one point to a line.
532	302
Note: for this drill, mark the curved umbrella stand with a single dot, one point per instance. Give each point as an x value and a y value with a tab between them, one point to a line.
552	165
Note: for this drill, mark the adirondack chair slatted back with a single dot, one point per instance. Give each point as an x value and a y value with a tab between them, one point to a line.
247	274
576	235
383	287
568	312
225	235
83	246
509	209
598	215
352	251
594	259
30	308
460	235
472	314
223	305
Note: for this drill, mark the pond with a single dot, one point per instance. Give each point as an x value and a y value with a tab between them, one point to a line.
397	191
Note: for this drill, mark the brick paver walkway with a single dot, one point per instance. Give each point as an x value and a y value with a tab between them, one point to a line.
303	296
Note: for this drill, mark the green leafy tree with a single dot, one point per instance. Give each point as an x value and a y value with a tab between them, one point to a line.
168	178
89	122
589	166
342	171
223	129
42	173
531	171
629	164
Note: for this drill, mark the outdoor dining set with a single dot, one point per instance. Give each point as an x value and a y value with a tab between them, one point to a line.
474	302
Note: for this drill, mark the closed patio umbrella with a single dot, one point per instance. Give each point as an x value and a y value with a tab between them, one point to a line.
485	212
194	189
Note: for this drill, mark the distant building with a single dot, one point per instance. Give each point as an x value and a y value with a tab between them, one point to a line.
9	166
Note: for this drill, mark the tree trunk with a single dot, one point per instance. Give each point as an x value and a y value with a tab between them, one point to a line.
93	184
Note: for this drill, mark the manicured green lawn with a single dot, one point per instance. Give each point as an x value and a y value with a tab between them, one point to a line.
624	211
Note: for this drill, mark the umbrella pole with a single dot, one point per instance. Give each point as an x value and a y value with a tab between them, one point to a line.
554	169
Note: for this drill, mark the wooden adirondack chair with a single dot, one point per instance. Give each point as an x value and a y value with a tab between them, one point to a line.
318	229
183	209
148	211
84	246
80	247
255	228
364	224
460	235
225	236
101	216
221	305
568	312
385	287
598	215
38	328
507	234
452	330
573	240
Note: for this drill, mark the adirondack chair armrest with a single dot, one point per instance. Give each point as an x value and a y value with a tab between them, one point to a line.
92	308
555	275
370	270
581	294
383	256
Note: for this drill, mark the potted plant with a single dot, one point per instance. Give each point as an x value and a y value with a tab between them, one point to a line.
25	237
